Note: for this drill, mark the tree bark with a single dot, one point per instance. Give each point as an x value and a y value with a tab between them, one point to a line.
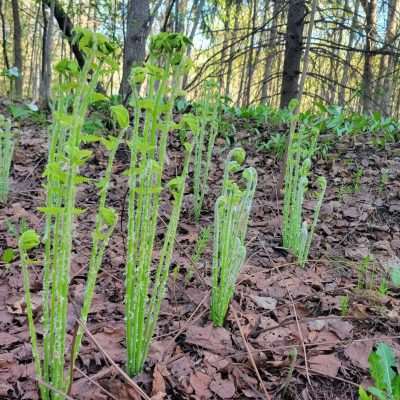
4	36
293	51
250	64
138	27
232	50
198	6
270	53
45	75
18	61
66	26
388	63
368	76
349	55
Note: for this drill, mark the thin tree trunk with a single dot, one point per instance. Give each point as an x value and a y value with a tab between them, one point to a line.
45	76
137	30
349	55
232	50
4	36
198	6
368	76
293	51
18	62
224	44
388	63
250	65
66	27
270	54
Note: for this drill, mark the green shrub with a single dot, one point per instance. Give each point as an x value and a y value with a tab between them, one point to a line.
7	141
145	285
230	226
208	113
66	155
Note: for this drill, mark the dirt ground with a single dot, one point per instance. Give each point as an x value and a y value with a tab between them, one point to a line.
305	333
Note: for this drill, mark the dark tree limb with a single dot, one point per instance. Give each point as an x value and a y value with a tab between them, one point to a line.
67	27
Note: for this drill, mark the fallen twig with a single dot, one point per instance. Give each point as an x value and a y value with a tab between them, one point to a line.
267	396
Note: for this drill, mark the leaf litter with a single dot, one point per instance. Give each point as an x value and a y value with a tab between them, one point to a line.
192	360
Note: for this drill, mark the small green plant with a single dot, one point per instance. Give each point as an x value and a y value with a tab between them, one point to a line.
384	180
203	145
344	305
7	142
73	96
383	369
201	244
231	216
145	280
365	278
276	145
297	237
383	287
357	179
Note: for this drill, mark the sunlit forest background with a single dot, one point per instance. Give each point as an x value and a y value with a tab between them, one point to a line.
254	48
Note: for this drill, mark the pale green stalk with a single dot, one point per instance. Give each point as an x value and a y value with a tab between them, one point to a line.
28	241
106	220
296	236
7	139
65	157
231	216
204	143
148	146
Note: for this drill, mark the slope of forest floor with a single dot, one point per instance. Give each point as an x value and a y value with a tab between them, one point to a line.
309	330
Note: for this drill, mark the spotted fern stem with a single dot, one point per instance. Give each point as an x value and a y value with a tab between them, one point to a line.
296	235
231	216
145	280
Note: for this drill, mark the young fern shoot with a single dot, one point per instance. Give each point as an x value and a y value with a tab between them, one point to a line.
203	145
145	285
297	237
231	216
7	140
75	93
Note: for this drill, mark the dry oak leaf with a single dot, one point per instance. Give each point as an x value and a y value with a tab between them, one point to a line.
200	383
358	353
217	340
223	388
325	364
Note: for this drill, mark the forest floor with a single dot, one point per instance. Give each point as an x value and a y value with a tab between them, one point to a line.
309	331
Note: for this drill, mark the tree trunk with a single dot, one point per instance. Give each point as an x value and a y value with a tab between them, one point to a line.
66	26
198	7
293	51
368	76
349	55
4	36
224	45
250	64
270	54
45	74
17	48
138	28
232	49
388	62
